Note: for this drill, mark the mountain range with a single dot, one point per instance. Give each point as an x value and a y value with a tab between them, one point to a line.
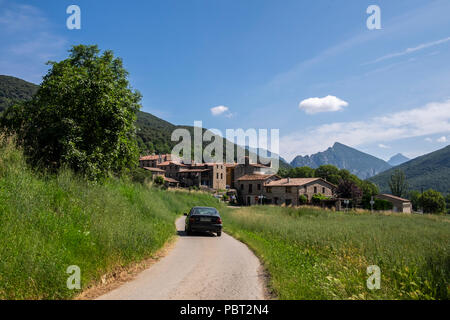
428	171
344	157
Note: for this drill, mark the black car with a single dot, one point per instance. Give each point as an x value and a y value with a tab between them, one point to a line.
203	219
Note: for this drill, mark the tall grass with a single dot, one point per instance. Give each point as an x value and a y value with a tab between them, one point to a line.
315	254
49	222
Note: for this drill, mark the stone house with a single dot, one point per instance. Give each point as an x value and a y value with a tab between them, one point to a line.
153	160
288	191
399	204
250	188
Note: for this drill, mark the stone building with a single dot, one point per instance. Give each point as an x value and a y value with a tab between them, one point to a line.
288	191
399	204
250	188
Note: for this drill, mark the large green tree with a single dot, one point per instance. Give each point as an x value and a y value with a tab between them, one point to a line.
397	183
83	115
432	202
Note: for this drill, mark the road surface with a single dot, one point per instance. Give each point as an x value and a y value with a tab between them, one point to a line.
199	267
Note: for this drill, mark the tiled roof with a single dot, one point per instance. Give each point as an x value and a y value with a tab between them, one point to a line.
154	169
170	180
166	163
255	177
259	165
166	156
394	197
291	182
194	170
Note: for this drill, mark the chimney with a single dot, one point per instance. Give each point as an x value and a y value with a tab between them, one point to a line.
247	160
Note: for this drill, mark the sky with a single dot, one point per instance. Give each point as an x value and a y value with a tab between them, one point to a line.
312	69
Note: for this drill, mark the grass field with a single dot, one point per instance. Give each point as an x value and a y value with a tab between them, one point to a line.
49	222
315	254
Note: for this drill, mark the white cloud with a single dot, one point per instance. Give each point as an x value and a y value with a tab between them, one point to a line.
428	140
383	146
432	118
326	104
217	111
442	139
411	50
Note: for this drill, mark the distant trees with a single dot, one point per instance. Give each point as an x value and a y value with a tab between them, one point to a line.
350	190
397	183
432	201
83	116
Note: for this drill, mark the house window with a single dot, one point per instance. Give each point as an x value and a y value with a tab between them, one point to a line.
250	188
221	176
217	175
323	190
242	187
315	189
269	189
288	189
305	188
259	186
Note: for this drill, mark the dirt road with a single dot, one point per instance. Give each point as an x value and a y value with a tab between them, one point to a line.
201	266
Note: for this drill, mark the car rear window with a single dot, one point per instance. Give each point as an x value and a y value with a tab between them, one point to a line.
205	211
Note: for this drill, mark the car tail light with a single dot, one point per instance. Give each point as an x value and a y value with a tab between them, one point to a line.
191	219
219	221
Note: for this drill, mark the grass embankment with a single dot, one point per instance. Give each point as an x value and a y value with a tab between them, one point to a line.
49	222
315	254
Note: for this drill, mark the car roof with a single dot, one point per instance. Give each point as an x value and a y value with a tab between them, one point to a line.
204	208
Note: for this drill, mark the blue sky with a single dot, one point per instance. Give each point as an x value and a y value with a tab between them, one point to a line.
309	68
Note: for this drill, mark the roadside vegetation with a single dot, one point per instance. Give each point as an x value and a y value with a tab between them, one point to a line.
49	222
316	254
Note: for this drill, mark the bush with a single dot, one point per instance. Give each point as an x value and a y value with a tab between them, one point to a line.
159	180
382	205
140	175
317	198
432	202
303	199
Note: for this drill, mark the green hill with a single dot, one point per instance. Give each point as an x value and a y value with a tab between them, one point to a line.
14	90
429	171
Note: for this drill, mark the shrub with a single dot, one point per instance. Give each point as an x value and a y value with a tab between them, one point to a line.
159	180
432	202
302	199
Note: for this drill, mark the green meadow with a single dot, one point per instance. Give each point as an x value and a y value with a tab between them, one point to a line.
316	254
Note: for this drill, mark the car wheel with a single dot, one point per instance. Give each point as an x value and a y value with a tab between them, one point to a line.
219	234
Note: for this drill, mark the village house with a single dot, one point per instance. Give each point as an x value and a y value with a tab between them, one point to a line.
177	173
288	191
399	204
250	188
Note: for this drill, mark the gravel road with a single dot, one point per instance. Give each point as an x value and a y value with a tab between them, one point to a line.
199	267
